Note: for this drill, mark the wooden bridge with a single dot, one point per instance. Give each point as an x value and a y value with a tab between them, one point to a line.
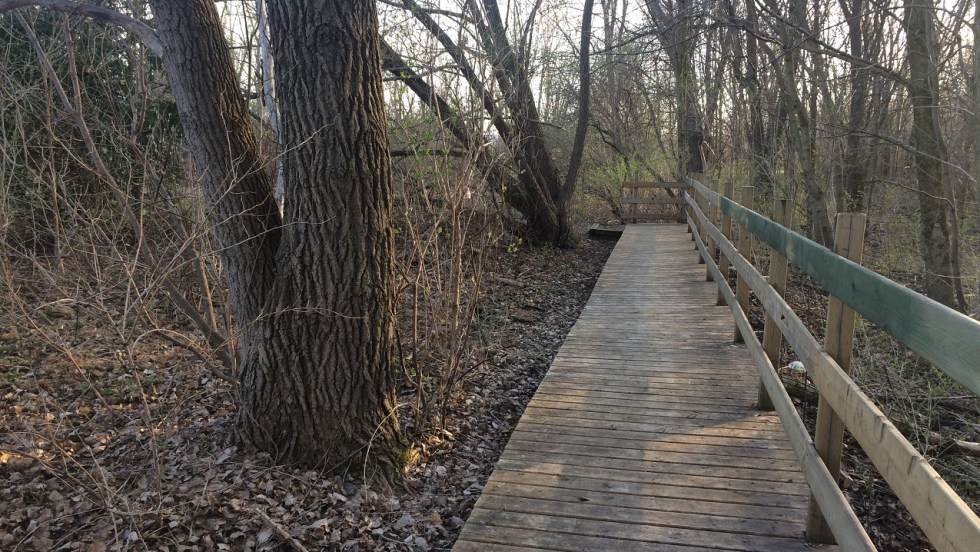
646	434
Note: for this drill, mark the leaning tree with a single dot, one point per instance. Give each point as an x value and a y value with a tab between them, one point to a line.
311	288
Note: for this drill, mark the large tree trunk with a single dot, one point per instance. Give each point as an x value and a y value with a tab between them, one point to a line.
319	387
313	297
225	151
931	155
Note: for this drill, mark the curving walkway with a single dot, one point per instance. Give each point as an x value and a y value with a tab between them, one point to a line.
643	435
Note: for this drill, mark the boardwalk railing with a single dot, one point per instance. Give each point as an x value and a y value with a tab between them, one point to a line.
633	198
948	339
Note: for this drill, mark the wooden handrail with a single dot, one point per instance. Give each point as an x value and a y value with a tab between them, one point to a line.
944	337
945	518
844	523
650	184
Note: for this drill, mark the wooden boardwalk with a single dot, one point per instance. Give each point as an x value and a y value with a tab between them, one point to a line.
643	435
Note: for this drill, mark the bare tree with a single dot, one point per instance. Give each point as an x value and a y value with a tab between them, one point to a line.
541	193
674	24
931	156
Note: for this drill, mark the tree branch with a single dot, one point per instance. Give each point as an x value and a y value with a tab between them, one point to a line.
146	35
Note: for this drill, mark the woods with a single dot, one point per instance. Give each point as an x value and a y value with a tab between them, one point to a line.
315	207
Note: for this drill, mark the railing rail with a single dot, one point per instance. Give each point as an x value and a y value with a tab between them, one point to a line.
945	518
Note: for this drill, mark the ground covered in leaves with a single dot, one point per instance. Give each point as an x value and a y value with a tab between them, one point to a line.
114	439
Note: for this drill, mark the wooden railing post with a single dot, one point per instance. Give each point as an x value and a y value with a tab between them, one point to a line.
726	229
839	342
772	337
712	212
742	290
693	192
699	199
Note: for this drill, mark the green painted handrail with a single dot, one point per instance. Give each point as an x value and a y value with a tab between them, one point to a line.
941	335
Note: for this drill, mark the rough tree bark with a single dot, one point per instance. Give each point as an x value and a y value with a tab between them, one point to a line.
225	151
320	387
313	297
976	135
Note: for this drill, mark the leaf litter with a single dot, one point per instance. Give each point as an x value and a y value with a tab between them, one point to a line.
112	443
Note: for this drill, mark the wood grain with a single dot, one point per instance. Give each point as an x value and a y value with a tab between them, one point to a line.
943	516
643	435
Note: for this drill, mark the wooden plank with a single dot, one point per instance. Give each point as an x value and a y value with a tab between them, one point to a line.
672	487
493	535
709	247
947	338
608	449
772	338
618	510
532	433
641	495
709	397
643	435
559	428
649	185
828	437
726	229
648	534
653	217
653	201
549	400
745	250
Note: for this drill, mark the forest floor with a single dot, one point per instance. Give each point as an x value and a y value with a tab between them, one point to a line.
113	443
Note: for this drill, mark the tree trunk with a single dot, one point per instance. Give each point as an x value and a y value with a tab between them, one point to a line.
538	193
799	128
856	154
319	386
225	151
931	155
976	136
674	24
313	297
540	183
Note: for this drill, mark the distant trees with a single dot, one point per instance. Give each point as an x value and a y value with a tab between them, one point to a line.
541	192
839	99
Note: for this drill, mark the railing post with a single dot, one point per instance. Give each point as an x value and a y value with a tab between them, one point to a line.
742	290
686	210
829	433
699	199
692	191
709	245
726	230
772	337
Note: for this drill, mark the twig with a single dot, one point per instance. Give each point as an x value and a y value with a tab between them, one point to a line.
290	540
507	281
